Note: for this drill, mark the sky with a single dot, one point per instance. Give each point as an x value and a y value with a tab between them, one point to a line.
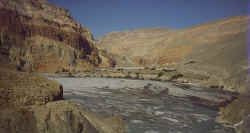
104	16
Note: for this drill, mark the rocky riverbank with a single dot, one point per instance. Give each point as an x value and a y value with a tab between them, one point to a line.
148	73
32	104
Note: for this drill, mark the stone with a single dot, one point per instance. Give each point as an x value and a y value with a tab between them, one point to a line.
245	126
23	89
56	117
64	117
152	90
237	114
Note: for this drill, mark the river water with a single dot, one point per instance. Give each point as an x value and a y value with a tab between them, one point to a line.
146	106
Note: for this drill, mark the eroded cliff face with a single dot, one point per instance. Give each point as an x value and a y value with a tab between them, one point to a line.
38	36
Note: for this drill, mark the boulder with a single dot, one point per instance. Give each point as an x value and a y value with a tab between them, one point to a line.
237	114
23	89
56	117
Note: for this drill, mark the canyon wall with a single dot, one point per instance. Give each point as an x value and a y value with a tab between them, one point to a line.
38	36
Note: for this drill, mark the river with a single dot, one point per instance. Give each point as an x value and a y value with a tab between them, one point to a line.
147	106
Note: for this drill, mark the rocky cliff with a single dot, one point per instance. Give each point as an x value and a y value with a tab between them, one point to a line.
38	36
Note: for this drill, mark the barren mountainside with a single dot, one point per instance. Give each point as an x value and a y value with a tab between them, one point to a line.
162	45
217	50
128	48
38	36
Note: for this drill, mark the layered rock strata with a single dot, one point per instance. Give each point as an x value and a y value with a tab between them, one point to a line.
38	36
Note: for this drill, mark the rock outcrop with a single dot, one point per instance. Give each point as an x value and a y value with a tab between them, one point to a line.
237	114
56	117
33	104
38	36
23	89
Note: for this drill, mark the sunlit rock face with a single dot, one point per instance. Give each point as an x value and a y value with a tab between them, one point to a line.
38	36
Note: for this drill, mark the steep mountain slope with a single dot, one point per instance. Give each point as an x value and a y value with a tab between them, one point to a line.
132	47
164	46
216	50
38	36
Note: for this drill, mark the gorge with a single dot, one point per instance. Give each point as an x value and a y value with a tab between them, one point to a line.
56	78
